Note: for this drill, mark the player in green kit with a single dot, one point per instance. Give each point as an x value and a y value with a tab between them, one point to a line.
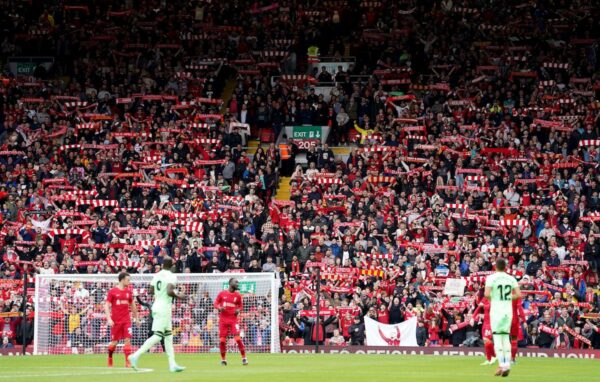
163	289
501	289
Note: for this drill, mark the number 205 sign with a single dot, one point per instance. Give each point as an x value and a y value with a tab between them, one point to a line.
306	136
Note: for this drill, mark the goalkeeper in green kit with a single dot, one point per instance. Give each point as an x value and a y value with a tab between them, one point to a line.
501	289
163	289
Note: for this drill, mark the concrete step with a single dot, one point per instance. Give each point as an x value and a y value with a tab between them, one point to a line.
347	49
341	150
252	145
228	93
284	190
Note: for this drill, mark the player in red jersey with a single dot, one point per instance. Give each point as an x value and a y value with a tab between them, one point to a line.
119	308
229	304
486	333
517	318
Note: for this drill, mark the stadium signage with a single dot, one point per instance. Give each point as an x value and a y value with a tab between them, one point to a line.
304	133
245	286
15	351
27	65
439	351
26	68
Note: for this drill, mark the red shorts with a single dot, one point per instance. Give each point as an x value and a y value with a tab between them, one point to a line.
514	327
228	328
120	331
486	331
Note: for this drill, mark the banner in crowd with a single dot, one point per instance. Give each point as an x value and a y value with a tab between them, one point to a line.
439	351
403	334
455	287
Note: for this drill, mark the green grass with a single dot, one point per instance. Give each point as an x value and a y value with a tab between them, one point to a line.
294	367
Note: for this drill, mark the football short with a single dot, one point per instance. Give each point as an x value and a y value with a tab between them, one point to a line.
486	331
162	322
501	322
227	328
120	331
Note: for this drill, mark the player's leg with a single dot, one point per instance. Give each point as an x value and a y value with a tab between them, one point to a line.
146	346
151	333
240	343
499	348
488	346
127	351
514	338
490	354
159	326
115	332
514	348
112	346
169	349
501	328
506	346
223	332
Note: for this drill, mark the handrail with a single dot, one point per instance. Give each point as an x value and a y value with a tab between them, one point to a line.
328	59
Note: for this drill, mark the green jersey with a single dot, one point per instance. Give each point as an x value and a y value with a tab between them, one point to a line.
162	300
502	286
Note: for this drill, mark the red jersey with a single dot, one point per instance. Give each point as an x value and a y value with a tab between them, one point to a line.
231	302
383	316
344	325
517	308
486	312
68	245
434	333
120	300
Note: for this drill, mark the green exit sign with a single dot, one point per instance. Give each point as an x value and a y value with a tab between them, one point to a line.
244	286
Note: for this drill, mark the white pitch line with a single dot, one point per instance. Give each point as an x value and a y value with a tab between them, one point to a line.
96	371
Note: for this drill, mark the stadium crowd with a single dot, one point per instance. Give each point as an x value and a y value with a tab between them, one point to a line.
474	135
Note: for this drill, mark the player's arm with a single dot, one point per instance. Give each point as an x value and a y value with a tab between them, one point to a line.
172	292
107	311
219	303
521	312
477	310
108	308
240	307
488	292
516	292
134	311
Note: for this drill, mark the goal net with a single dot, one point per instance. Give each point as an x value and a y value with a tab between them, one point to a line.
70	318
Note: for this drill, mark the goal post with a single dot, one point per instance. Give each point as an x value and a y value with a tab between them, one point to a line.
70	318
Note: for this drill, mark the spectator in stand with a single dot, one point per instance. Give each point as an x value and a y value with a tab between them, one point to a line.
460	153
324	75
7	343
337	339
422	334
269	266
357	332
546	339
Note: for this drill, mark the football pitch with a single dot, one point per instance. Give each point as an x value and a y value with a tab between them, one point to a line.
293	367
